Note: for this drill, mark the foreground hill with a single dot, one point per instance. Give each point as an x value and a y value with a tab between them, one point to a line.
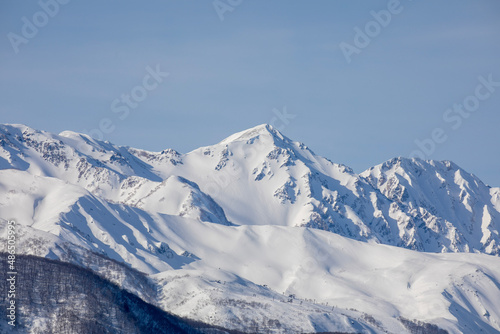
54	297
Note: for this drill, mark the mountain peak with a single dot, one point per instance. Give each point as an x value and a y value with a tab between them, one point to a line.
416	165
16	128
259	130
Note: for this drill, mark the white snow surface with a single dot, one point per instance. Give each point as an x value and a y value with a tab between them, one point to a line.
230	231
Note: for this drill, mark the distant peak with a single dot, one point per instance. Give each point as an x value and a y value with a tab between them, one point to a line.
413	164
259	130
72	134
16	128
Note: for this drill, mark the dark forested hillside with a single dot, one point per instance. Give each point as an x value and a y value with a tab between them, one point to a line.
58	297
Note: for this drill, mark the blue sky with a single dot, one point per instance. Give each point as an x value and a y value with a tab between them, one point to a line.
264	57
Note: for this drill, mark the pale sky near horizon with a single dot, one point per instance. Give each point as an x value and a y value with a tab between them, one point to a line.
73	68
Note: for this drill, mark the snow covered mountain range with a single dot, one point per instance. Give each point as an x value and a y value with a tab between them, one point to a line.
239	234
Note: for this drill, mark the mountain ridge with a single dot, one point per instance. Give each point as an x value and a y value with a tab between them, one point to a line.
280	181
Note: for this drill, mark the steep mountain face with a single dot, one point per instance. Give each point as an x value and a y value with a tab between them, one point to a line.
439	205
260	177
174	196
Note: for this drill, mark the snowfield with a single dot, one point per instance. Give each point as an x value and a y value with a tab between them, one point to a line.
257	233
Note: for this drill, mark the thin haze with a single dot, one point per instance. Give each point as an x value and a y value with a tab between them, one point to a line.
264	60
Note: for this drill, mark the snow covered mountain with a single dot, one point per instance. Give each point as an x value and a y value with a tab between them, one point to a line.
260	177
238	234
445	208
